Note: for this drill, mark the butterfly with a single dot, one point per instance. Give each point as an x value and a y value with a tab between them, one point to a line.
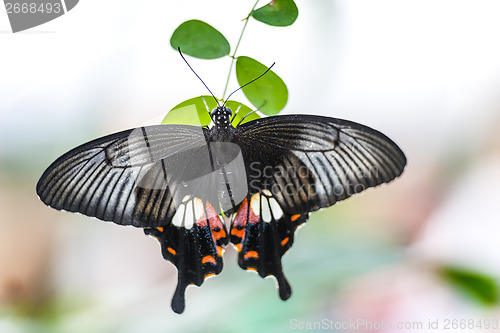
180	182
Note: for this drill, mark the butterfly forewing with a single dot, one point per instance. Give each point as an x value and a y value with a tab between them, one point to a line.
317	161
100	178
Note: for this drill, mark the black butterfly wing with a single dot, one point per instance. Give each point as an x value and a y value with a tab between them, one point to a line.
262	233
295	165
310	162
195	251
101	178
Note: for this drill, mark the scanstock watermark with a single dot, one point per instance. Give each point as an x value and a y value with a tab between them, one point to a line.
429	325
355	325
26	14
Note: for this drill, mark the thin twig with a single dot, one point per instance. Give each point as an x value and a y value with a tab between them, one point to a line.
236	49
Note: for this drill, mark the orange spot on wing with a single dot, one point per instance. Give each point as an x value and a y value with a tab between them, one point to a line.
209	275
238	233
284	241
218	234
171	250
251	254
238	247
295	217
219	250
251	269
208	259
160	229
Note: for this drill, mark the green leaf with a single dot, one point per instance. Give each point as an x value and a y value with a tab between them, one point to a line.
200	40
481	287
241	111
278	13
269	93
195	111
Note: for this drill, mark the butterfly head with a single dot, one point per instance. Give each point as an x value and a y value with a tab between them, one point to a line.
222	117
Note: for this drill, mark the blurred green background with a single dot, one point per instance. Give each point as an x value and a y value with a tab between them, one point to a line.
421	249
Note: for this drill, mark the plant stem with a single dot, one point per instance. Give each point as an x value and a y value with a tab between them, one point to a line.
233	57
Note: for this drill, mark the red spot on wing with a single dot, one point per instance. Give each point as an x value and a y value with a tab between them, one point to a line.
210	215
240	220
244	214
241	216
202	220
215	223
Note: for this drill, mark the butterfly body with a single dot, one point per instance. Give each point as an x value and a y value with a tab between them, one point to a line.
221	117
177	181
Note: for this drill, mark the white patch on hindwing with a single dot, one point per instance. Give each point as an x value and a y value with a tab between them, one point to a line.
275	208
266	210
199	210
189	216
255	203
178	218
188	212
270	207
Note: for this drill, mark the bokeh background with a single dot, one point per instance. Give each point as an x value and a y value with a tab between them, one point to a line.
426	73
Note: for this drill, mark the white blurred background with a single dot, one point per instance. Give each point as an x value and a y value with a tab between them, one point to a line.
426	73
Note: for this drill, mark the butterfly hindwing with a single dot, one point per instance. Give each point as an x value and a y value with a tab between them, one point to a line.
262	233
195	246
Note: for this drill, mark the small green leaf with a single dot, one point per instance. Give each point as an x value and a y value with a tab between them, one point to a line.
200	40
278	13
195	111
269	93
481	287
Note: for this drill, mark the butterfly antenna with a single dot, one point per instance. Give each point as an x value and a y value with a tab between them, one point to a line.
249	113
234	116
191	68
246	84
243	118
